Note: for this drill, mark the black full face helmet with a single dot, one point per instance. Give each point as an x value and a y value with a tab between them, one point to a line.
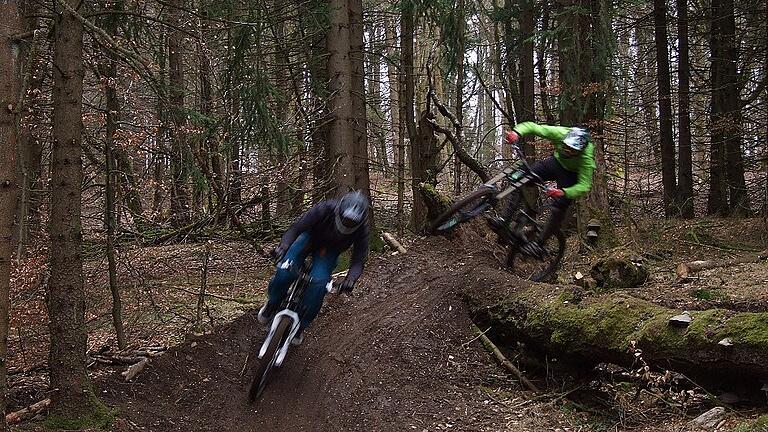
351	212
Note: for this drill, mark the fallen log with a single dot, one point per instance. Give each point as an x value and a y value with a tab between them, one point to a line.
135	369
583	328
392	241
686	269
27	413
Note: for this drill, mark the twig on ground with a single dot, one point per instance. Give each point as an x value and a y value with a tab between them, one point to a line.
506	363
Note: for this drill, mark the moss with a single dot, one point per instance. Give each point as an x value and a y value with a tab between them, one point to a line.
759	425
375	242
99	416
749	328
608	323
708	294
343	263
247	300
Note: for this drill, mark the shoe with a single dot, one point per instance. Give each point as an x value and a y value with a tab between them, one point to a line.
498	226
266	313
533	249
299	337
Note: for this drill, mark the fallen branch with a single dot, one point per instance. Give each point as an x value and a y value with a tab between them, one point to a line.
684	270
27	413
504	362
135	369
392	241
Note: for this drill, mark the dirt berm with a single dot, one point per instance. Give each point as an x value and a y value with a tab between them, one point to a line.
398	355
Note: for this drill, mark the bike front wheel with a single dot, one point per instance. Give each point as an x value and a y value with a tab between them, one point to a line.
466	208
267	363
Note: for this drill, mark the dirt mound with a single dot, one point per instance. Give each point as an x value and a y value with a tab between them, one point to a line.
395	356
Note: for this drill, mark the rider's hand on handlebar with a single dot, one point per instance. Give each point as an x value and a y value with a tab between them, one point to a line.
347	286
555	193
512	137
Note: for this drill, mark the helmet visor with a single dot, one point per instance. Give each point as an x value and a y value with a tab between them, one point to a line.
351	217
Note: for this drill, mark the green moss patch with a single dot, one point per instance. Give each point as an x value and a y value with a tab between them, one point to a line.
99	416
608	323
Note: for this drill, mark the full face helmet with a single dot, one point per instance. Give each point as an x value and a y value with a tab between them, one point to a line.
576	140
351	212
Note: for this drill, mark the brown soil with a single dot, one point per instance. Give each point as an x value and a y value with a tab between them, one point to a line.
395	356
664	244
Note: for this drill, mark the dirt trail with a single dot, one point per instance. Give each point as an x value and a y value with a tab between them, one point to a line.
392	357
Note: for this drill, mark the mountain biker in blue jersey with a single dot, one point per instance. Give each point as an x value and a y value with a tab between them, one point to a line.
571	166
324	231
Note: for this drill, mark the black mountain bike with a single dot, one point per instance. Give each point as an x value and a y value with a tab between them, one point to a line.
282	330
524	222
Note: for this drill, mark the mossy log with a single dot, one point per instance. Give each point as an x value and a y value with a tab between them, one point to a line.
435	201
583	328
619	272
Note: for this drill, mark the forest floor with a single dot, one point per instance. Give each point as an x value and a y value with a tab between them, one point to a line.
400	354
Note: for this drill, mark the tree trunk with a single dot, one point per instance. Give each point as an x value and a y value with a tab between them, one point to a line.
665	109
29	143
646	66
684	150
108	70
161	133
180	205
407	97
717	202
527	110
397	116
341	135
728	121
512	96
541	65
359	114
71	396
10	69
374	92
573	55
460	25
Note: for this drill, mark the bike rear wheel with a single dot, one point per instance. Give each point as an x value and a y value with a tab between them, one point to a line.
526	207
466	208
267	363
537	269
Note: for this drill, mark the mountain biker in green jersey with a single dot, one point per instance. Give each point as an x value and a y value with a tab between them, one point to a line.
571	167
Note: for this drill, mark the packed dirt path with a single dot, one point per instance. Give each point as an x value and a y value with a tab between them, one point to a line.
397	355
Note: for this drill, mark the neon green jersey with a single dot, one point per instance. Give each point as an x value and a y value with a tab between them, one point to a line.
583	164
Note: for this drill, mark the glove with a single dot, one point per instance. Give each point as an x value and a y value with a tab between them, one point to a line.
279	253
512	137
555	193
347	286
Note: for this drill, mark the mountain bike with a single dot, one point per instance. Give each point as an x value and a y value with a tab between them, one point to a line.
525	221
283	327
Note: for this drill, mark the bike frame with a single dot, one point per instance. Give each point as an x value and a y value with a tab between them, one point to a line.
290	310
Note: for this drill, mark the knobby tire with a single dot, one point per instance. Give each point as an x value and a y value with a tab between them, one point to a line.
471	201
266	364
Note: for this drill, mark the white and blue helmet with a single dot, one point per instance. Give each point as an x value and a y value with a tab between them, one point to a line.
577	138
351	212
